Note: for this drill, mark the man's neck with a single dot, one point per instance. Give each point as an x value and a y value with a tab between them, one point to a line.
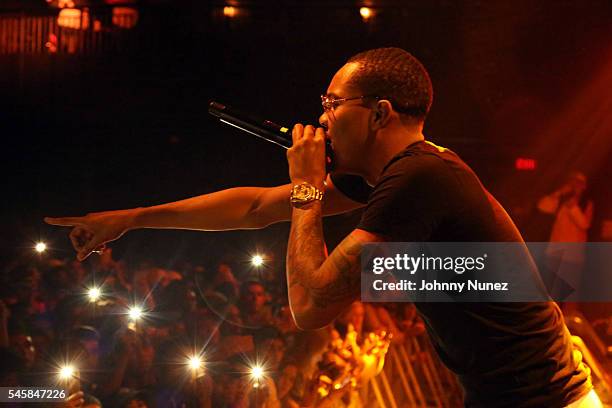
391	144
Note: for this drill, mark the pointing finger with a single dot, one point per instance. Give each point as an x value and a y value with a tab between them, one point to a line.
64	221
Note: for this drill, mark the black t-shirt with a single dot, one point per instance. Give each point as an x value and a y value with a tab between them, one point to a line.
505	354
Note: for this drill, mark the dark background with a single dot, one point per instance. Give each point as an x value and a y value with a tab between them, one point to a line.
126	125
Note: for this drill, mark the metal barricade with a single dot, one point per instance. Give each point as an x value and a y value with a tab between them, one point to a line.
413	376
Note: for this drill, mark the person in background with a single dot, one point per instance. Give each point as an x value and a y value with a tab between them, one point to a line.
573	218
253	308
129	365
21	343
225	282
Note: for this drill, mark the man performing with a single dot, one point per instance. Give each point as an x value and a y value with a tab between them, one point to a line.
504	354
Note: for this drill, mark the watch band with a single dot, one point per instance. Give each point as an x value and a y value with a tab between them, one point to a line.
304	193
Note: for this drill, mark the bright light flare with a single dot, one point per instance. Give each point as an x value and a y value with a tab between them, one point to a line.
257	260
40	247
195	363
135	313
257	372
66	372
94	294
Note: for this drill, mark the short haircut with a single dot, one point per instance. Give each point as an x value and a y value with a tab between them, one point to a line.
394	74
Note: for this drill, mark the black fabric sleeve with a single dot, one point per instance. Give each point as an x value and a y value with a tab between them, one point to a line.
411	200
354	187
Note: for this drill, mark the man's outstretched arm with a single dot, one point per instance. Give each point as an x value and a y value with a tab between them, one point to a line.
234	208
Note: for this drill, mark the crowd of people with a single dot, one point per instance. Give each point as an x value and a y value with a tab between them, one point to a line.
150	337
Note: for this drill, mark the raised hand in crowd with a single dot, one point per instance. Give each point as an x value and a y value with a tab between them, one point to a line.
75	400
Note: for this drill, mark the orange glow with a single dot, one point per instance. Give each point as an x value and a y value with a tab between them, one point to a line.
125	17
64	3
73	18
230	11
366	13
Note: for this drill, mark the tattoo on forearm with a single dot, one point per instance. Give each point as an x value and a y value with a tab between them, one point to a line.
343	275
311	280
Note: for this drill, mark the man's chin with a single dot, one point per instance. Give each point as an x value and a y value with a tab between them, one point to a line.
344	166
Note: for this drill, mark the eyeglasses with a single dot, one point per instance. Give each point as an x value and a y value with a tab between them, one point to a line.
330	103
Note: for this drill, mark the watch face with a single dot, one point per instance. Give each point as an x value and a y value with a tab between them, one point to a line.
303	192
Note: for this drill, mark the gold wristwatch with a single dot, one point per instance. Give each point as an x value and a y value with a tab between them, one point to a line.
303	194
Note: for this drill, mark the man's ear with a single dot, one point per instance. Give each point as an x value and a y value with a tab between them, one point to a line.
381	114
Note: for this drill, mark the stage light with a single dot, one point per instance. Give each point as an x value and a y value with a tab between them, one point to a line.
229	11
94	294
125	17
63	3
66	372
73	18
40	247
257	261
366	13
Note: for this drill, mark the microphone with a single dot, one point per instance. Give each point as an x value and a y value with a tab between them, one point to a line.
264	129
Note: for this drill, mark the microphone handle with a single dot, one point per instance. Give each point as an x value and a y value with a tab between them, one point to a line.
264	129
